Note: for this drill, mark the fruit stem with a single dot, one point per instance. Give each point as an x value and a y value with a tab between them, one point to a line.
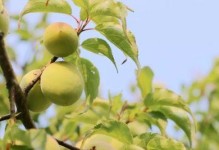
16	96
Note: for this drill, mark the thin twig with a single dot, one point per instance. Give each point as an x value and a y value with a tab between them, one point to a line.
87	29
34	81
83	25
77	20
8	116
15	93
67	145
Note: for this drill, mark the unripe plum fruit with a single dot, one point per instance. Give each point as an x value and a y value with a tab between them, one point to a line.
62	83
36	101
60	39
4	20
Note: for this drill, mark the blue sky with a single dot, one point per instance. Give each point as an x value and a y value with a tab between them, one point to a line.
178	39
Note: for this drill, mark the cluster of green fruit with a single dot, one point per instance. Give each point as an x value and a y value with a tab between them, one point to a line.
61	82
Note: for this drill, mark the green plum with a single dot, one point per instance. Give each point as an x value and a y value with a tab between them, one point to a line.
62	83
36	101
60	39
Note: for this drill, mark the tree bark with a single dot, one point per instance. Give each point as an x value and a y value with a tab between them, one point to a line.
16	95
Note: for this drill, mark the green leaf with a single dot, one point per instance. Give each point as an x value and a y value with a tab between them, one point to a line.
162	143
91	78
15	135
83	14
101	19
114	33
81	3
145	78
31	139
19	147
4	104
99	110
156	118
152	141
115	129
180	117
24	34
38	138
84	5
164	97
143	139
57	6
97	45
173	107
107	8
116	103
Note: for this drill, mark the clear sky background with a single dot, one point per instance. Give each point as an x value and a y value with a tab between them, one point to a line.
178	39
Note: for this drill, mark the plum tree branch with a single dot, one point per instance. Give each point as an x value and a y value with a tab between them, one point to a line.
67	145
15	93
34	81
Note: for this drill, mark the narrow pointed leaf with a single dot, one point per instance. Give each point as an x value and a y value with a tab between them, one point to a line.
91	78
97	45
145	78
